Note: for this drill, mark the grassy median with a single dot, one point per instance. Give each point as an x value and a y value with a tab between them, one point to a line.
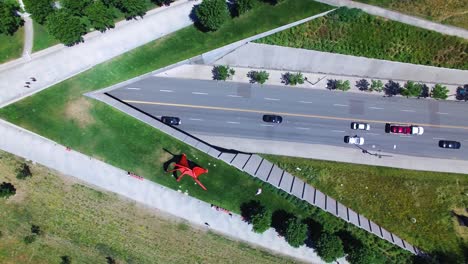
11	47
393	197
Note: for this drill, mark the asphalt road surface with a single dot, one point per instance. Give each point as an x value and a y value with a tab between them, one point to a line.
309	115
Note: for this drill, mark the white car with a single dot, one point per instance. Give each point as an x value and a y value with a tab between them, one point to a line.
360	126
356	140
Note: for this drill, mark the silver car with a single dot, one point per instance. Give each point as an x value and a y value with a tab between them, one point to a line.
354	140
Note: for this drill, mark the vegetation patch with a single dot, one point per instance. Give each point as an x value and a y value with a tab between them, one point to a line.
353	32
79	112
11	47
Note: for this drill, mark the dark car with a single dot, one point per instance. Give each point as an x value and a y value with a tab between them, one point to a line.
272	119
450	144
171	120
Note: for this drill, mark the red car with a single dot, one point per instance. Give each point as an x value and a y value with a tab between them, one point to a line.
408	130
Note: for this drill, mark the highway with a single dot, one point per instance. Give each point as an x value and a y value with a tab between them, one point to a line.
309	115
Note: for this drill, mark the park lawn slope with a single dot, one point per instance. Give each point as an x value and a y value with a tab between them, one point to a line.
392	197
353	32
11	47
42	38
453	12
89	225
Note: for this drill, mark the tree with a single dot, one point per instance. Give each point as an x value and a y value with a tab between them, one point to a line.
329	247
440	92
296	232
293	78
377	86
100	16
343	85
65	260
362	85
132	8
24	172
412	89
212	14
258	76
392	88
222	73
425	91
242	6
10	21
163	2
65	27
361	255
36	230
7	189
261	220
110	260
39	9
76	7
331	84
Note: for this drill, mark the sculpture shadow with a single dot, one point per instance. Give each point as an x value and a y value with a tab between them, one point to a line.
175	158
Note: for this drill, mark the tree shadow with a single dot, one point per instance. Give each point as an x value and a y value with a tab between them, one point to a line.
279	221
249	209
314	229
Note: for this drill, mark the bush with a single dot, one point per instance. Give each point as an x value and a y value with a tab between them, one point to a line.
24	172
331	84
7	189
222	73
329	247
132	8
10	21
65	260
163	2
412	89
361	255
392	88
65	27
258	76
362	85
76	7
261	220
100	16
425	91
39	9
462	93
343	85
242	6
439	92
376	86
29	239
296	232
293	78
344	14
212	14
36	230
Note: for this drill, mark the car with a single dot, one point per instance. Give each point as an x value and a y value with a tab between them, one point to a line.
171	120
272	119
402	129
354	140
360	126
450	144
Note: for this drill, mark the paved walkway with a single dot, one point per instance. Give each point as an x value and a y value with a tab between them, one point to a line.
33	147
407	19
28	37
56	64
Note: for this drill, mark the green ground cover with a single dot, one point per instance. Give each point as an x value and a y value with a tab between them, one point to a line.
392	197
42	38
353	32
11	47
89	225
453	12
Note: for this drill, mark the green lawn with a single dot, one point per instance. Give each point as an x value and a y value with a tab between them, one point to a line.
453	12
42	38
354	32
89	225
391	197
11	47
63	114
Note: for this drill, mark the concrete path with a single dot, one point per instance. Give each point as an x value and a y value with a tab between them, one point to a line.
255	55
57	63
33	147
407	19
28	37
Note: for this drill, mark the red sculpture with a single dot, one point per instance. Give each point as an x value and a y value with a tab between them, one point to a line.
185	169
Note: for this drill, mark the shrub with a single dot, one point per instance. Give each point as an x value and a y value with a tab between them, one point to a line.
39	9
7	189
261	220
362	85
132	8
296	232
293	78
29	239
76	7
329	247
100	16
439	92
331	84
258	76
377	86
343	85
65	27
222	73
412	89
10	21
345	14
361	255
24	172
110	260
462	93
392	88
36	230
425	91
212	14
65	260
163	2
242	6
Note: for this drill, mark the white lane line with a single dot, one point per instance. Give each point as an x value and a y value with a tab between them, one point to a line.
271	99
195	119
373	107
131	88
407	110
199	93
232	122
303	128
405	136
166	91
440	113
438	138
338	131
234	95
373	134
343	105
266	125
305	102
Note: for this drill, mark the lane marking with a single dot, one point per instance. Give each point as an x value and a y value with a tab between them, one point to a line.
166	91
305	102
271	99
131	88
438	138
442	113
232	122
373	107
340	105
266	125
338	131
199	93
291	114
373	134
405	136
233	95
195	119
407	110
303	128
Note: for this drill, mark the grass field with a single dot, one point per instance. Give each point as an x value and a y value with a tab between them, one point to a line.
89	225
392	197
352	32
452	12
42	39
11	47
